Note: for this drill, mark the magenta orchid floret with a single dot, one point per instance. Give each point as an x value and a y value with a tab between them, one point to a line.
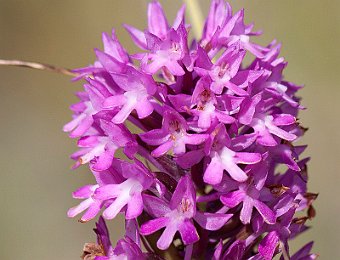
193	145
178	215
173	135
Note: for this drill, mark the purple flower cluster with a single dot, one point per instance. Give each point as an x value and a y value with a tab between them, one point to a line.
208	165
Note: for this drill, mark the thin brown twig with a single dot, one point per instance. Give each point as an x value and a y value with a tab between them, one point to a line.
38	66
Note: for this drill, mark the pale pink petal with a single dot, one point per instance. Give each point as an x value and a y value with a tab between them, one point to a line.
211	221
232	199
266	139
92	211
267	214
268	245
116	206
174	68
106	192
167	236
155	137
235	171
72	212
247	158
214	172
124	112
195	139
246	210
134	206
109	63
137	36
179	17
83	192
281	133
157	22
162	149
144	108
83	126
155	206
284	119
188	232
153	225
103	161
114	101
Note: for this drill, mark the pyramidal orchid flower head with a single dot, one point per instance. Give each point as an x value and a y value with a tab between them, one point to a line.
193	144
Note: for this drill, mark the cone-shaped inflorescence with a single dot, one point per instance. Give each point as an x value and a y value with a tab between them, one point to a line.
211	168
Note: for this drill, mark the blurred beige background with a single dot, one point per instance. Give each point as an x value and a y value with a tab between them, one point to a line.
36	181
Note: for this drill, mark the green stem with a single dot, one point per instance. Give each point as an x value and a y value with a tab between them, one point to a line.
196	17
